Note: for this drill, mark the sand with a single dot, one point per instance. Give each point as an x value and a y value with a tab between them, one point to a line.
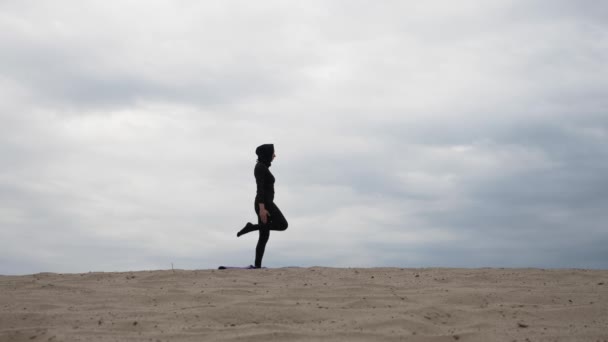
307	304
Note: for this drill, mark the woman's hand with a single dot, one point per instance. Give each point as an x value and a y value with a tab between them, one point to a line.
264	215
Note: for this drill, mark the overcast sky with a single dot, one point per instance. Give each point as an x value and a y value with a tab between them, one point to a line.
407	133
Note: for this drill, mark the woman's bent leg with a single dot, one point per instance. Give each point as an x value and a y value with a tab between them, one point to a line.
251	227
277	220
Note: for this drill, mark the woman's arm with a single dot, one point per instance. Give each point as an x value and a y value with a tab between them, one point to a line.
263	213
260	177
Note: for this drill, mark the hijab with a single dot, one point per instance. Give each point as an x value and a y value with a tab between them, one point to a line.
265	153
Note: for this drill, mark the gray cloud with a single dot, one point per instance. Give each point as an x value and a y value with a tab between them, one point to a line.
407	134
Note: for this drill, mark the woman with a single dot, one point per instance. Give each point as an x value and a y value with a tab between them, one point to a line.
269	215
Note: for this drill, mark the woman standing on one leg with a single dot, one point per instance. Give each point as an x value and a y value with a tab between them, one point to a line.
269	215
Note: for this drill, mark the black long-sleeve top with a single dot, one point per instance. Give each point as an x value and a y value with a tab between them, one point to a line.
265	184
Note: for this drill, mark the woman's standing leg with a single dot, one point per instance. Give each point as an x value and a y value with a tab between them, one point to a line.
276	221
261	246
263	239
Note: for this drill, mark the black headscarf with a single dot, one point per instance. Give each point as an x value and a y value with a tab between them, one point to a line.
265	153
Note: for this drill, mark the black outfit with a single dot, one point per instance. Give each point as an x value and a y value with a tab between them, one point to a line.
265	194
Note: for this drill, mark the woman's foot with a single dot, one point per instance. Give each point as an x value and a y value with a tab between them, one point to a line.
245	229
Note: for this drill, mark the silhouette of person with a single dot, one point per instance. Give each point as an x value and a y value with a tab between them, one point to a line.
269	215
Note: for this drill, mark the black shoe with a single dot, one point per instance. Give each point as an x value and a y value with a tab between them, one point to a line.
245	229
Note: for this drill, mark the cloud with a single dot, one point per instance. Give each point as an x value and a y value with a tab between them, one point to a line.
406	134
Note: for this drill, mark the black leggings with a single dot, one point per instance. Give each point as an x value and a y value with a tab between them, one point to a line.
276	221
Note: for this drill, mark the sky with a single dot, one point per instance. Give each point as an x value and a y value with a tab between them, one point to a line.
407	133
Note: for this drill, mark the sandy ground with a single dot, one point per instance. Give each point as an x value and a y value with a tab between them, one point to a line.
307	304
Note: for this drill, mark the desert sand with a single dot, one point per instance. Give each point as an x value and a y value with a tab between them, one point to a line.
308	304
